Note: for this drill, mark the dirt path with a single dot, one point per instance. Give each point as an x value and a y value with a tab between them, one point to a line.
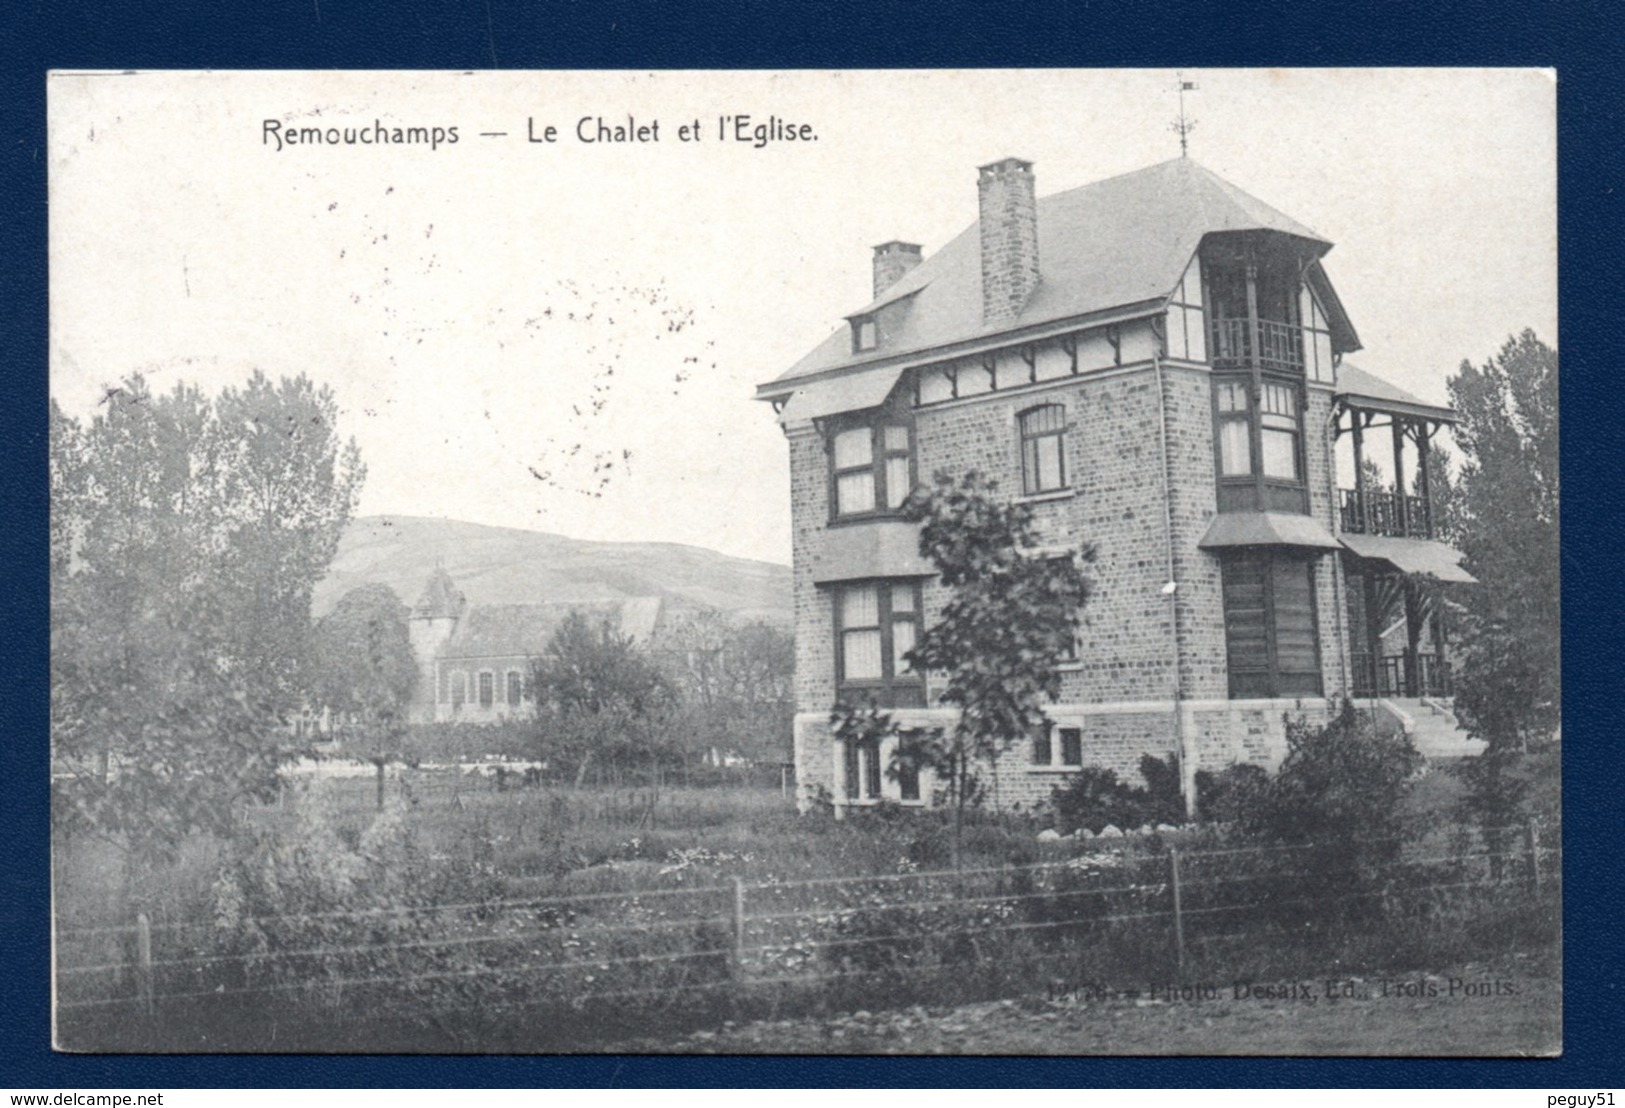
1511	1007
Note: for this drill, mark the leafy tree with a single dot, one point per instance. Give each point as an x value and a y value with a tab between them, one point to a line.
598	694
287	486
1011	619
161	721
735	683
1507	687
364	669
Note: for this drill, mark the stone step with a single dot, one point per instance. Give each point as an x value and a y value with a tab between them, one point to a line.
1431	725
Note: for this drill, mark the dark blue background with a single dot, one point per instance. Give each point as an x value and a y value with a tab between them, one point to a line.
460	34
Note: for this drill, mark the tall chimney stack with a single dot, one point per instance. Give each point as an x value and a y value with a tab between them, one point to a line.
1009	230
892	260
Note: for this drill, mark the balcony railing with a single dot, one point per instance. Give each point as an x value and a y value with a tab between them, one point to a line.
1389	675
1280	345
1383	513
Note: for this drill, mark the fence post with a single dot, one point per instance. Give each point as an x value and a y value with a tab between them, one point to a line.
1534	854
143	962
739	929
1179	917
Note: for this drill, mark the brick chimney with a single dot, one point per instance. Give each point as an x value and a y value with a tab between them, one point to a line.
1009	230
892	260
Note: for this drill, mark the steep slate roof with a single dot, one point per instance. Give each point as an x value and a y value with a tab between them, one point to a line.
1114	244
1367	390
440	598
492	630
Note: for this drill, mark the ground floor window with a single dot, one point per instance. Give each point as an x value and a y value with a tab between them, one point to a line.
487	688
865	770
1058	747
1271	642
516	686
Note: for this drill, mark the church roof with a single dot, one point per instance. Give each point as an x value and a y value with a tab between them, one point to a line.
498	630
440	598
1105	250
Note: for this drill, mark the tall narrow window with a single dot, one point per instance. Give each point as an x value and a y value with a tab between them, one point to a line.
860	633
854	471
1043	449
1235	450
487	688
898	464
459	689
516	688
1279	420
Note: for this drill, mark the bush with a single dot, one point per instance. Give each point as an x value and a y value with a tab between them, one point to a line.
1231	795
1341	784
1095	797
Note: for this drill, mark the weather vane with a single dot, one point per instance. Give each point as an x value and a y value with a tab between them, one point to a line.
1183	126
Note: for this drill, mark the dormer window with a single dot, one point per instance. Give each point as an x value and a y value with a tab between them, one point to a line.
864	333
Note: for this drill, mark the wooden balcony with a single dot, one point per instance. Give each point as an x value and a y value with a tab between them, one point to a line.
1383	513
1280	345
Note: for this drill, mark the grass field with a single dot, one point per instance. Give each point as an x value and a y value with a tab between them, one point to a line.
463	902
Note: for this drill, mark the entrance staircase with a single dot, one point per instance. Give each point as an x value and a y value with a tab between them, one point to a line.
1431	724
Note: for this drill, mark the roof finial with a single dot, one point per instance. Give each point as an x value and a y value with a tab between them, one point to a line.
1183	126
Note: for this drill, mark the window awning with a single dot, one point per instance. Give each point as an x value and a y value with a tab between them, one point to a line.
853	392
862	551
1434	559
1266	529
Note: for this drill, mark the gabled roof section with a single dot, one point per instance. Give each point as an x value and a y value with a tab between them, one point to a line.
1114	244
440	598
498	630
1359	389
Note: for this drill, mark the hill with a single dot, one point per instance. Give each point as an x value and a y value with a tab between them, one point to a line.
501	565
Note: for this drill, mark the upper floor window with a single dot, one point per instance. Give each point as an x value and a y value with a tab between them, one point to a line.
876	624
864	333
1279	439
1258	443
872	467
1043	449
1234	428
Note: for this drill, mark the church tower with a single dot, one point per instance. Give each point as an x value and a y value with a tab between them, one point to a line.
430	626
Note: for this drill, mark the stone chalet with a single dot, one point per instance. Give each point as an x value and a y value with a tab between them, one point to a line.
473	660
1157	363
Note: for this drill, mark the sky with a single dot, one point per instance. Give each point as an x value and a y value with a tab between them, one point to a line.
565	336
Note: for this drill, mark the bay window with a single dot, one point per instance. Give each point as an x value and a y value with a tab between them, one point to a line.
876	624
871	468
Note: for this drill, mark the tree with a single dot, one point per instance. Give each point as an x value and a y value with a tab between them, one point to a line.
1507	687
364	669
1010	621
735	682
161	722
597	693
287	486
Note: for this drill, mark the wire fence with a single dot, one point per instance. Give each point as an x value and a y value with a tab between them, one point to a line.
735	940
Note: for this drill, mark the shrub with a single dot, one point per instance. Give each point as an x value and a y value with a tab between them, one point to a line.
1232	794
1095	797
1340	784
